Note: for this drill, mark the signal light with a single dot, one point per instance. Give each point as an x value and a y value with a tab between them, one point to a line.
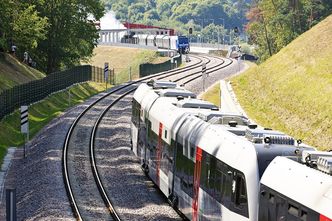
236	29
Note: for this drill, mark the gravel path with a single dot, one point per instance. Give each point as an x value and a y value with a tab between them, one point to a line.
39	182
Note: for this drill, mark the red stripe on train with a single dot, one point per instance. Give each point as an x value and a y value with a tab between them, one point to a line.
197	178
159	152
324	218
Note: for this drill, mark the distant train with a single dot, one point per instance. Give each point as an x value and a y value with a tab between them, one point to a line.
178	43
216	166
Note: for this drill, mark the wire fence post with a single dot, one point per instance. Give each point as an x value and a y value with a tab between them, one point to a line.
130	73
69	98
114	76
203	75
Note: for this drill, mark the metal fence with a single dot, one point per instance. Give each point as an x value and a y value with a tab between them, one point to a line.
33	91
148	69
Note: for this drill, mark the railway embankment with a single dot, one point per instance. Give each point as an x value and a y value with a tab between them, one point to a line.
13	72
292	90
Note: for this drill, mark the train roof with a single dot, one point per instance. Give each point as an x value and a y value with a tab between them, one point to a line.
301	183
278	143
237	130
140	92
177	92
267	152
170	112
226	118
162	84
195	103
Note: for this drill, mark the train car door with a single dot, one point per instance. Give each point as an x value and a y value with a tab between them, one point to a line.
159	153
197	178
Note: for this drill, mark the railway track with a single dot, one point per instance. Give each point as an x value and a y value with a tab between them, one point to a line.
87	195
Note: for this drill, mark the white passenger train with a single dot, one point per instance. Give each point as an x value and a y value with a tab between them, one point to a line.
178	43
215	166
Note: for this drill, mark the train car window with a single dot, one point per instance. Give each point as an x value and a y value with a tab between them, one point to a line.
275	207
165	134
184	170
205	171
293	210
218	186
239	196
166	162
135	112
227	185
148	127
240	191
192	151
271	198
264	206
304	215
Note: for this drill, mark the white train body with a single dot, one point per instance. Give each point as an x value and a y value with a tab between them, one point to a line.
207	172
294	191
177	43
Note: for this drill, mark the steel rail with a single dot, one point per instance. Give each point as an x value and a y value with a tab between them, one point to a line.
102	191
107	200
69	190
101	188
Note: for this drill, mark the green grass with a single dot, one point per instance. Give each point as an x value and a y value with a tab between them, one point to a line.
292	90
121	58
12	72
213	95
144	56
41	113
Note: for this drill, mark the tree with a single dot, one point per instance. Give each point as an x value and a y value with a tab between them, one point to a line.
275	23
28	27
71	34
21	24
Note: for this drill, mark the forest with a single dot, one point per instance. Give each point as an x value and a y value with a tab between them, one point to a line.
208	19
268	25
273	24
56	34
60	34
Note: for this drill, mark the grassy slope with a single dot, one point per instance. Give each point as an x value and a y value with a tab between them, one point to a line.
121	58
12	72
292	91
212	95
42	113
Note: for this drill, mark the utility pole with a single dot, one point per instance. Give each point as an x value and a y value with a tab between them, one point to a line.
223	25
